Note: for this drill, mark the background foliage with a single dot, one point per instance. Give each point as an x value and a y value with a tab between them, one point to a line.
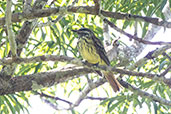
57	39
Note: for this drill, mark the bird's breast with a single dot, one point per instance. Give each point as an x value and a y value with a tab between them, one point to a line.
88	51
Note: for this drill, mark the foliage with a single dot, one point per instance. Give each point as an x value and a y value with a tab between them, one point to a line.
57	39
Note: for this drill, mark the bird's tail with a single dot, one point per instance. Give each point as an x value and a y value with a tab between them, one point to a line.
112	80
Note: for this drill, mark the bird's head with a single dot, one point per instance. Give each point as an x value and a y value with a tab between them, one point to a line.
84	32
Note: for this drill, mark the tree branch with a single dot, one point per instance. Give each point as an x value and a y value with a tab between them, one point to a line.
66	101
135	37
166	71
18	17
21	40
27	6
51	104
165	54
85	92
40	80
11	37
96	98
145	94
52	97
79	63
97	6
18	60
150	55
51	22
106	35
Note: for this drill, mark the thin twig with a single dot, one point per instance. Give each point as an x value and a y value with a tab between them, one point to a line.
136	29
7	61
106	35
166	71
96	98
51	104
85	92
154	54
51	22
135	37
2	43
145	94
54	98
165	54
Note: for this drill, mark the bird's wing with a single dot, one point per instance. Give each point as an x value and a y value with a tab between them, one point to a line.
100	50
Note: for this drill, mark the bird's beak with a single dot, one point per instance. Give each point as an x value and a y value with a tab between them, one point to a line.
74	31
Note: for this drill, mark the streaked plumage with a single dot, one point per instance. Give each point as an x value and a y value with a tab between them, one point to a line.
92	50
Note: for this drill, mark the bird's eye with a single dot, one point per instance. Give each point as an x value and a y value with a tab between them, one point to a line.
86	34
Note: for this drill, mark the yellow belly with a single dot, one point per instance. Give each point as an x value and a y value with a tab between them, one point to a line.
89	53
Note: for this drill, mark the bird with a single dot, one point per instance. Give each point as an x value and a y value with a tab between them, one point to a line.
92	50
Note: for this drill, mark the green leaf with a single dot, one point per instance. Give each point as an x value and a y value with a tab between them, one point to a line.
74	112
125	110
126	24
118	100
163	4
162	65
163	16
43	35
155	107
145	28
161	91
104	102
38	67
169	3
148	103
50	44
148	84
9	104
136	102
85	111
113	106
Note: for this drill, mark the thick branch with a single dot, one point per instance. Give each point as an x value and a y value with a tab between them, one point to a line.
79	63
97	6
7	61
40	80
18	17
